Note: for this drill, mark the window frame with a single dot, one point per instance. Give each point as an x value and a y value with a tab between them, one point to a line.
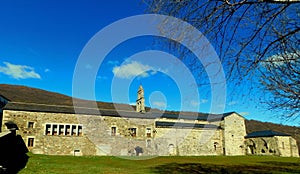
132	131
30	124
113	131
59	129
148	132
30	142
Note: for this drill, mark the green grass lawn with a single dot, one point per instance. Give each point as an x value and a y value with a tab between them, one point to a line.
112	165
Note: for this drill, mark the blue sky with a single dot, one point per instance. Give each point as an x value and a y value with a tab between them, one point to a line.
41	41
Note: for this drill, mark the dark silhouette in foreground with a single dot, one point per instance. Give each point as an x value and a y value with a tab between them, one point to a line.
13	150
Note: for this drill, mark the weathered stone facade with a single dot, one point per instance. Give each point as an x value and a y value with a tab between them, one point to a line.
107	135
234	132
66	130
276	144
45	144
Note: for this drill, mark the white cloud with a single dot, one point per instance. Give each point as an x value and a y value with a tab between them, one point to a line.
19	71
197	103
232	103
244	113
47	70
159	104
133	69
111	62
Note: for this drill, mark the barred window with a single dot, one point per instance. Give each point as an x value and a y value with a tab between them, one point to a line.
63	129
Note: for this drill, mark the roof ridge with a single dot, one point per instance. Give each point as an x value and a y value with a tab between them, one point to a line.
265	133
69	106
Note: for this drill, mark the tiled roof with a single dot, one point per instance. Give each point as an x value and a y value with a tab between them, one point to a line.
265	133
24	98
121	111
184	125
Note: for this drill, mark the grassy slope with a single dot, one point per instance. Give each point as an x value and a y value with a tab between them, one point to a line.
43	164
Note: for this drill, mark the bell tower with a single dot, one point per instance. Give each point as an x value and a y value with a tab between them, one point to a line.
140	102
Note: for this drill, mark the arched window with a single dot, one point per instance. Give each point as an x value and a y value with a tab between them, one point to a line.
215	145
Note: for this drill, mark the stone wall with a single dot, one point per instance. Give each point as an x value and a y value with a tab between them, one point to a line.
287	146
190	142
277	145
234	133
123	142
49	144
262	146
104	135
158	141
294	147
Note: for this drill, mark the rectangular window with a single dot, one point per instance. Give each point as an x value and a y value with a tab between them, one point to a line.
283	145
67	130
79	130
48	129
54	130
113	131
63	129
60	129
30	124
73	131
30	142
148	132
132	132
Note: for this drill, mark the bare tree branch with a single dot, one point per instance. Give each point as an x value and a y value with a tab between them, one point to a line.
246	34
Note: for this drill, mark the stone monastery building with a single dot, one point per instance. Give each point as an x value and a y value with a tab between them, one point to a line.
58	128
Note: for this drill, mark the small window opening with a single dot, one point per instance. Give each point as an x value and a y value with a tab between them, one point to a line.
48	129
67	130
215	145
79	130
148	132
113	131
132	132
61	130
30	142
73	130
54	131
30	124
